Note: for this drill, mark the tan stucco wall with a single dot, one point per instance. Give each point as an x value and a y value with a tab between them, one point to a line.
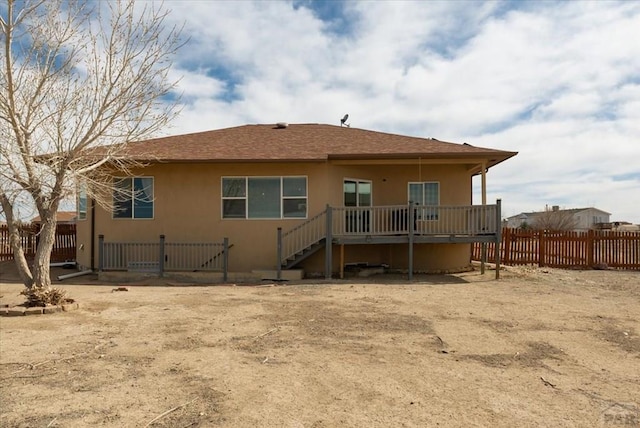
83	242
188	200
389	182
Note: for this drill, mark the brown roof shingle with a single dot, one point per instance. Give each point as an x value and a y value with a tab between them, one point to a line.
300	142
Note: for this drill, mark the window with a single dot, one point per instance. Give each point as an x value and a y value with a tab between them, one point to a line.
357	193
264	197
133	197
425	194
82	202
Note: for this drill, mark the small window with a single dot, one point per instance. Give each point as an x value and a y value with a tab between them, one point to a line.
234	198
294	197
264	197
426	195
133	198
82	202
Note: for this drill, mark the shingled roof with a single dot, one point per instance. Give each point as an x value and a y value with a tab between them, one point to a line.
300	142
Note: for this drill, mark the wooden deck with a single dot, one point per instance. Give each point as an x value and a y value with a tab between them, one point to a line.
395	224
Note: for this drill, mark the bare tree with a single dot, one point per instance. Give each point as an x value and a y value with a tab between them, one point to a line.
77	77
554	219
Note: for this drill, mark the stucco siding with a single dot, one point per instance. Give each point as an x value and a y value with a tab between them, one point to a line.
187	208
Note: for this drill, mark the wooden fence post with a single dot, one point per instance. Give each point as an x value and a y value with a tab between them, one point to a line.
591	248
541	248
506	239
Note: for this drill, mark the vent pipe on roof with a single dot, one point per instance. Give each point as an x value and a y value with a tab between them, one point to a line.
281	125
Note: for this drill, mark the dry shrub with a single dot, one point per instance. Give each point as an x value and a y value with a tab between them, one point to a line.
44	296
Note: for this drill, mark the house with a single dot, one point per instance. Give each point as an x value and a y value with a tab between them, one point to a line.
62	217
277	194
575	218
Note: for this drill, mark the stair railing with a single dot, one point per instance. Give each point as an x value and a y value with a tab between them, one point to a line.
301	237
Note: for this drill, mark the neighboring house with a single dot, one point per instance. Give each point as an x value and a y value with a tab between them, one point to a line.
62	217
581	218
280	192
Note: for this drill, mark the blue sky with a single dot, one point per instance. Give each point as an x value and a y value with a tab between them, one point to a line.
559	82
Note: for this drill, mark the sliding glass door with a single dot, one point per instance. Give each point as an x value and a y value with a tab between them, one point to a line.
357	193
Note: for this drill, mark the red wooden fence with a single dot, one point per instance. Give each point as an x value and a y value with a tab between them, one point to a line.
64	247
620	250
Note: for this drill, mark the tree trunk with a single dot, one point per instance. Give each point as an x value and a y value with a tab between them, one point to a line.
41	269
15	243
18	255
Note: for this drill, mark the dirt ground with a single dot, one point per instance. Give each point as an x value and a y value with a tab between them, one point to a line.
539	347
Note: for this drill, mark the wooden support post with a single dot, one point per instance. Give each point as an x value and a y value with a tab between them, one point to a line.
328	255
483	256
498	236
411	232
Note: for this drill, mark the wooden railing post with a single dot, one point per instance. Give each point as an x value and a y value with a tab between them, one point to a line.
279	251
328	256
161	257
225	259
100	252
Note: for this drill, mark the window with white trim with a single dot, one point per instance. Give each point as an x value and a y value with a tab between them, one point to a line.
264	197
425	194
133	197
81	203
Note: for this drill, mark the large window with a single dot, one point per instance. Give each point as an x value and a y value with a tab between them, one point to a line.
264	197
425	194
133	197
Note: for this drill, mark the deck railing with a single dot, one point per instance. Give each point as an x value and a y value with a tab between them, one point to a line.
415	219
392	220
160	256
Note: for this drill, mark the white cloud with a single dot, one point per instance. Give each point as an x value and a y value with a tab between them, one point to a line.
558	82
196	84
